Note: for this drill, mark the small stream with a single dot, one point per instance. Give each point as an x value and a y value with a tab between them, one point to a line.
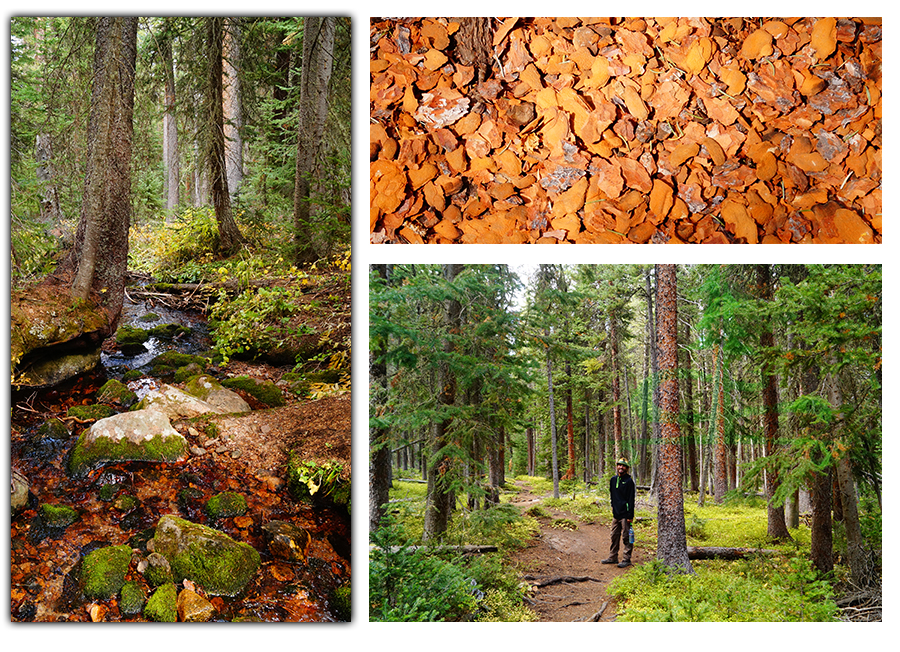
46	561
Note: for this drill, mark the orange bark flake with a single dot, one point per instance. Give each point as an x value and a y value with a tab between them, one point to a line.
601	131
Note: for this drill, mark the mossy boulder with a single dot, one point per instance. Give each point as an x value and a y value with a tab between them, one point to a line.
103	571
226	504
117	393
264	391
130	339
182	374
57	516
162	606
174	359
148	317
199	399
169	331
144	435
342	601
90	412
222	400
131	599
159	571
207	557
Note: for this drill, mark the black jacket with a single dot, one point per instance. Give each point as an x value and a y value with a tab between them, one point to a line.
621	494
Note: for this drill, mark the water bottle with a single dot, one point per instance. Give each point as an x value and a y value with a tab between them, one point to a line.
630	534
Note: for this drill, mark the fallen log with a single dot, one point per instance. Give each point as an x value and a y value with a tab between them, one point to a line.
562	579
728	554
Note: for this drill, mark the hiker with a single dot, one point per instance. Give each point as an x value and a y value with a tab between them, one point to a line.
621	495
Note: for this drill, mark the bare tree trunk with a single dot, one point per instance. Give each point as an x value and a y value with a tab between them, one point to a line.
230	237
616	392
439	500
170	129
379	448
100	255
689	417
555	468
318	50
231	99
529	438
672	542
720	459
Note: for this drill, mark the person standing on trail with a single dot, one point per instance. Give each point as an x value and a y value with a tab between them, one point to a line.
621	495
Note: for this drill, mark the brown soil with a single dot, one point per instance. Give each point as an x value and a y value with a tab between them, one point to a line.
572	557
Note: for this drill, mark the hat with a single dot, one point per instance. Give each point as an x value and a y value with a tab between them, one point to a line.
623	462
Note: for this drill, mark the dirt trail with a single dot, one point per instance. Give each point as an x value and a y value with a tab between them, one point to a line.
573	559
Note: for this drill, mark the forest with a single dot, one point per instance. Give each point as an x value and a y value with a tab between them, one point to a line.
745	398
180	339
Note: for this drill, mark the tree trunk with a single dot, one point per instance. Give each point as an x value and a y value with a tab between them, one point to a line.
318	51
529	438
672	543
720	459
231	105
570	425
379	449
555	468
439	500
690	433
616	395
51	213
777	528
170	128
230	237
100	255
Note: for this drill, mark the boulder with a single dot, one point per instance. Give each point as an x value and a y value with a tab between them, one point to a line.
103	571
116	393
194	608
286	540
223	401
131	599
226	504
19	497
143	435
162	605
209	558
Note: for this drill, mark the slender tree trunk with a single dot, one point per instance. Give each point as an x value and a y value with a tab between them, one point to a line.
231	103
529	438
100	255
616	396
170	128
720	460
672	542
379	446
587	434
318	51
689	416
440	472
570	425
555	467
230	237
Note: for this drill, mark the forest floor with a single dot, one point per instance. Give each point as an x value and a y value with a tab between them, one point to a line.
562	566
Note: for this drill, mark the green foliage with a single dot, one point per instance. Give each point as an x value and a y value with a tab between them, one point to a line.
308	480
408	584
756	590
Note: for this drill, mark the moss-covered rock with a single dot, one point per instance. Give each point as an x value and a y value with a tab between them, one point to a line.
131	599
185	373
103	571
57	516
90	412
169	331
108	492
175	359
162	605
342	601
264	391
209	390
145	435
208	557
132	374
117	393
126	503
159	571
148	317
226	504
130	339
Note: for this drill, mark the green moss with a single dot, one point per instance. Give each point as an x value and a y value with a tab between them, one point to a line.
150	316
175	359
157	449
131	599
53	429
58	516
342	601
132	374
126	503
103	571
114	391
159	571
265	391
162	606
108	492
90	412
226	504
168	331
185	373
131	336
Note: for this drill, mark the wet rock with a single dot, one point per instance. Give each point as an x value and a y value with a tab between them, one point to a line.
286	540
174	403
222	400
103	571
57	516
264	391
162	605
211	559
90	412
19	492
131	599
142	435
226	504
116	392
194	608
158	571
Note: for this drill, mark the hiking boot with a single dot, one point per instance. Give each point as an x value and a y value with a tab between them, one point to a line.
609	560
625	563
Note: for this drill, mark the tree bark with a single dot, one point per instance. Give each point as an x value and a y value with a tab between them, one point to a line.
720	457
553	446
616	391
170	127
672	542
318	51
439	499
100	255
230	237
689	417
231	106
379	450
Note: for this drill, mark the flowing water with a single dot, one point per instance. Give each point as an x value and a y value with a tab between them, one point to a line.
45	561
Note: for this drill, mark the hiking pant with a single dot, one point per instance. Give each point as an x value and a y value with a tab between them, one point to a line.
620	531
